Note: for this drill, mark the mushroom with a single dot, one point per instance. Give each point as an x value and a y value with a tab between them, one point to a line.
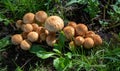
16	39
79	40
27	28
89	34
19	23
71	23
28	18
51	39
35	26
43	34
25	45
69	32
72	45
32	36
41	16
88	43
81	29
54	24
97	40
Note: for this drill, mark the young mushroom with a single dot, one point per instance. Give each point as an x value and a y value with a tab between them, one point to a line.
54	24
69	32
72	24
43	34
28	18
79	40
97	40
88	43
35	26
81	29
16	39
27	28
51	39
89	34
25	45
19	24
41	16
32	36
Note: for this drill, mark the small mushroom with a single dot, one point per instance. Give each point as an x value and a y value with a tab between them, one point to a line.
69	32
19	24
16	39
35	26
54	24
79	40
25	45
97	40
43	34
41	16
32	36
71	23
51	39
88	43
28	18
72	46
81	29
27	28
89	34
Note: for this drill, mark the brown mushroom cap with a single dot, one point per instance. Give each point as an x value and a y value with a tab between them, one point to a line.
88	43
16	39
79	40
71	23
41	16
32	36
51	40
28	18
81	29
43	34
25	45
35	26
89	34
97	40
27	28
19	23
69	32
54	24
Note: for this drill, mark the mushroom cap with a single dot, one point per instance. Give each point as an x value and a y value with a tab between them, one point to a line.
43	34
54	24
32	36
89	34
71	23
25	45
51	40
35	26
88	43
41	16
79	40
16	39
19	23
97	40
27	28
69	32
28	18
81	29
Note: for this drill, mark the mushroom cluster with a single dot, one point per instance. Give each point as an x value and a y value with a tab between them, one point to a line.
40	27
37	28
79	35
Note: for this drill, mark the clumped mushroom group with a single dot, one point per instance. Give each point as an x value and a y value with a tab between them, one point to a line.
40	27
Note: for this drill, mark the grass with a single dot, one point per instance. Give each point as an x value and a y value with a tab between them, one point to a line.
102	58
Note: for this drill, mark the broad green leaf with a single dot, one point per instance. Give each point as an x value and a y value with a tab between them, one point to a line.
57	51
44	54
4	42
36	48
69	55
